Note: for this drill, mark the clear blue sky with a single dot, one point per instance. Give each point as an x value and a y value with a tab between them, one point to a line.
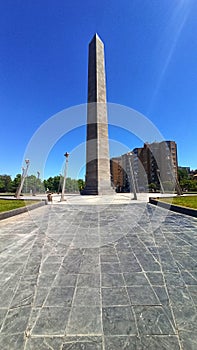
151	66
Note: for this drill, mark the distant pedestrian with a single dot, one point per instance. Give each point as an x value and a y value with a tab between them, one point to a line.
49	197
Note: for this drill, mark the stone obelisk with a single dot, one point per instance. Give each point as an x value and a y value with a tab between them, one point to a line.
98	179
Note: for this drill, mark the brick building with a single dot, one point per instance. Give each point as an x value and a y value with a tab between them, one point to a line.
116	173
153	163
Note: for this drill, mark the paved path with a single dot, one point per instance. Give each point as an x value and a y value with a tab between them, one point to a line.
107	277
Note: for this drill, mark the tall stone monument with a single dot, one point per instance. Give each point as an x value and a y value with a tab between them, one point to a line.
98	179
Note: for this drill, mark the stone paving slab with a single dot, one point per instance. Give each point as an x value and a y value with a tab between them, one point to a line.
98	278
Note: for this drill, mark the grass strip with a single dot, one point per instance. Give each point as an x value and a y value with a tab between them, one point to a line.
6	205
189	201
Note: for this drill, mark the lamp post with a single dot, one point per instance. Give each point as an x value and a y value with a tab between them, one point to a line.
174	178
24	174
178	187
64	179
159	177
59	186
37	183
132	179
135	173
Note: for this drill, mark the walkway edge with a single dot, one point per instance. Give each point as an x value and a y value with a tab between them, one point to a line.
172	207
10	213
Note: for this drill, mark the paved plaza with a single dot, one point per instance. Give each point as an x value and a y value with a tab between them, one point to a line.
110	276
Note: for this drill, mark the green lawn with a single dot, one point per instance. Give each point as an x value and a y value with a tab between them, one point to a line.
6	205
190	201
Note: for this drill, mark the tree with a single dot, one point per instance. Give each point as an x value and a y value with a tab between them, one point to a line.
30	184
183	174
152	187
81	184
168	186
39	187
188	185
48	184
71	185
16	182
5	183
1	185
54	184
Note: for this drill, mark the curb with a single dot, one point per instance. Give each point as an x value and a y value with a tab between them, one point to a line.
172	207
10	213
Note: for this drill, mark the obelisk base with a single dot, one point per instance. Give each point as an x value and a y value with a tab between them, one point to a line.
92	191
89	191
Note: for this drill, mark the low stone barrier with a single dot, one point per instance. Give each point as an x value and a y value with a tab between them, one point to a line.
10	213
172	207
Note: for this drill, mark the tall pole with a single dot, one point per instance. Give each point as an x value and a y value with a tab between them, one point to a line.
37	183
159	177
175	179
178	187
59	186
132	179
24	174
65	173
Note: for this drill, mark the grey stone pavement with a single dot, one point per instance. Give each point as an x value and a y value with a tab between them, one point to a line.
98	277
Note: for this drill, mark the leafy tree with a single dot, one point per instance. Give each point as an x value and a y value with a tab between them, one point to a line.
54	184
183	174
168	186
71	185
30	184
48	184
152	187
188	185
16	182
81	184
45	184
5	183
39	186
33	184
1	184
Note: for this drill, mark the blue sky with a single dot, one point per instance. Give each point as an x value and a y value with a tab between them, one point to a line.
151	56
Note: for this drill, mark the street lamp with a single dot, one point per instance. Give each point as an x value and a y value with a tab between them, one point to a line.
65	173
132	179
59	186
174	177
24	174
159	177
37	183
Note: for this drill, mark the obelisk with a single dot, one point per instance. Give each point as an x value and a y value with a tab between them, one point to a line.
98	179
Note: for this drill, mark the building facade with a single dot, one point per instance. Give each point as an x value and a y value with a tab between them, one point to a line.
154	163
116	173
